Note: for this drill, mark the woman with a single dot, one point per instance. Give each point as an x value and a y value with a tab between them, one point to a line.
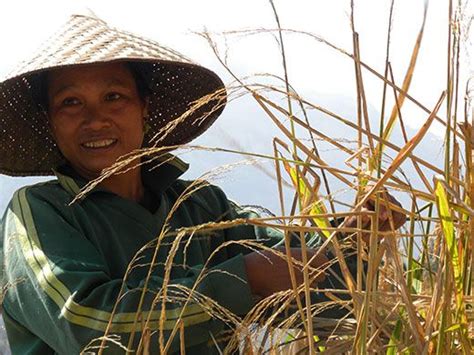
94	94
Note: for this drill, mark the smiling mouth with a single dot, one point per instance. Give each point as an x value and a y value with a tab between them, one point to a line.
100	144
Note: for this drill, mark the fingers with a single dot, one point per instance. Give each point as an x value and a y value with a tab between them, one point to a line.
351	221
397	220
388	217
394	219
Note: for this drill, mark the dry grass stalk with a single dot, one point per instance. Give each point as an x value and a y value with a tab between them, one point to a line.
407	296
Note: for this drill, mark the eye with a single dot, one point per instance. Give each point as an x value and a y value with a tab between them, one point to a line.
70	101
113	96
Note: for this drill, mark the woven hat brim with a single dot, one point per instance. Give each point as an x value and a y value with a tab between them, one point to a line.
185	98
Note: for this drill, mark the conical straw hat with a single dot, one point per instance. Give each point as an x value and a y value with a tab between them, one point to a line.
26	145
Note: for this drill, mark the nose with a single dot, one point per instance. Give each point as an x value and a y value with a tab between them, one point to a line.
95	118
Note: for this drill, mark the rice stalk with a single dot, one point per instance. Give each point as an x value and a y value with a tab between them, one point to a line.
412	291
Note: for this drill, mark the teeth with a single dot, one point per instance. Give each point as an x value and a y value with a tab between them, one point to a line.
99	144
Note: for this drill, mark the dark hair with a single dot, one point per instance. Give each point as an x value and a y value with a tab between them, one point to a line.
39	84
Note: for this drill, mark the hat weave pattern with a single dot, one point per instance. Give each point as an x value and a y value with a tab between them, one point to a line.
26	145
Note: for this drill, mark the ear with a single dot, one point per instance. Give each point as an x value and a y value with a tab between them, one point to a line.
146	126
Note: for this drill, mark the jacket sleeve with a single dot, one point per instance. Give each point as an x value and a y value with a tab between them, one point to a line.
59	288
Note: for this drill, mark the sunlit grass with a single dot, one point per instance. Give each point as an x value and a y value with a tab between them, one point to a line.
412	292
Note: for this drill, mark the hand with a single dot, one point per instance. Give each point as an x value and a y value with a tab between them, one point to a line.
268	273
389	218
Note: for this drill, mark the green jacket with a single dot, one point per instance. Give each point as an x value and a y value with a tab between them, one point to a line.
65	264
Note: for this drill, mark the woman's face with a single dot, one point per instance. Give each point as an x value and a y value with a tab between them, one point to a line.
96	115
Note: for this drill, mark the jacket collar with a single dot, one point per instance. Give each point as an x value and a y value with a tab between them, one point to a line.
158	173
